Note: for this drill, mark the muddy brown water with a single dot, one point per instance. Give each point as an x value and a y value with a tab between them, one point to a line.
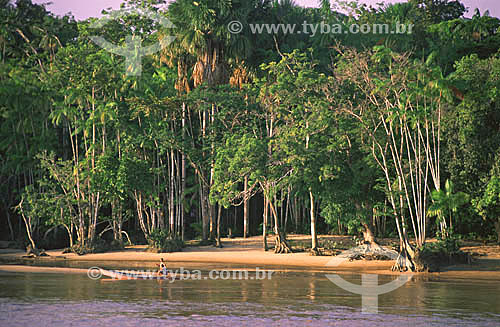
288	298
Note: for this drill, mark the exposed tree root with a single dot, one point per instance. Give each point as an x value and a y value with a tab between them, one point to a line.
316	252
34	252
366	252
218	243
368	236
403	263
371	251
373	247
281	245
405	260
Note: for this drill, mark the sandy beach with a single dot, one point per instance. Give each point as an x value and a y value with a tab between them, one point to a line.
249	252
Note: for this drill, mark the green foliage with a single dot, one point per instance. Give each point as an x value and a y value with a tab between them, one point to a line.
197	228
332	245
344	214
444	252
98	246
435	11
446	202
488	205
161	241
239	156
464	37
471	137
86	146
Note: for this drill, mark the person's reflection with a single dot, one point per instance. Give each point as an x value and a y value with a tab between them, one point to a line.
312	289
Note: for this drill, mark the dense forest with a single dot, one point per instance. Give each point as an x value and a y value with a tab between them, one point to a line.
381	135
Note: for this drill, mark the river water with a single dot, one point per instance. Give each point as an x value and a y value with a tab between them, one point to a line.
289	298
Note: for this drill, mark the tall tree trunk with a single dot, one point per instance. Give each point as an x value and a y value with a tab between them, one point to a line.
245	209
204	213
497	227
171	197
296	212
405	260
281	245
140	214
183	170
27	223
117	220
219	213
282	216
70	234
11	230
264	225
211	210
287	207
314	238
79	196
205	189
92	197
212	172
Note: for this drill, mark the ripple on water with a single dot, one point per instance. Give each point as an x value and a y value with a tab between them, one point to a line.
295	299
178	313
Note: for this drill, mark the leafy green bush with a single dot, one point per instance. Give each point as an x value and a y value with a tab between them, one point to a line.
98	246
198	229
332	245
444	252
161	241
206	242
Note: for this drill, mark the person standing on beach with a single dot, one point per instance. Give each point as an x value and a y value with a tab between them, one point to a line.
163	268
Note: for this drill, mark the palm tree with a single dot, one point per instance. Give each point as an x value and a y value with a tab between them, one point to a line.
435	11
445	203
202	34
202	31
399	12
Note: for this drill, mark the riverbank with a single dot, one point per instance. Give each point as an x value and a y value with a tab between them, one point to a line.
249	252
